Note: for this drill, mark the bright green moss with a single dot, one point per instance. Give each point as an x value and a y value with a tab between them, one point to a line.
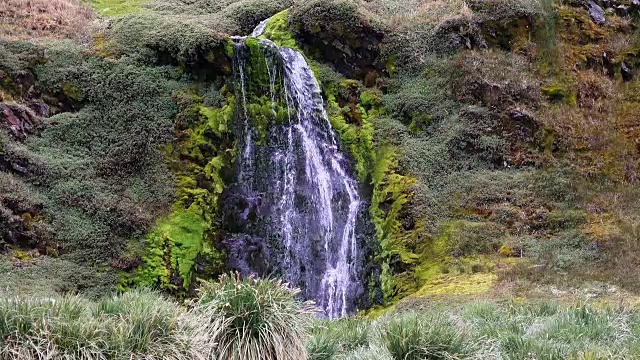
559	92
256	71
72	91
229	47
375	165
278	31
185	236
174	246
357	138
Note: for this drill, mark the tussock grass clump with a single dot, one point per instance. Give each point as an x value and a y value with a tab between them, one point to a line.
233	319
480	330
330	338
139	324
413	336
250	318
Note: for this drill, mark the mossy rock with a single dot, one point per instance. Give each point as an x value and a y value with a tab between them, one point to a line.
339	32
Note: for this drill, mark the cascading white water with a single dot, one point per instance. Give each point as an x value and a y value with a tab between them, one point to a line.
303	181
324	162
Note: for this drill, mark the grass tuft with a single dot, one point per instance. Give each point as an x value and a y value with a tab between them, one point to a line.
250	318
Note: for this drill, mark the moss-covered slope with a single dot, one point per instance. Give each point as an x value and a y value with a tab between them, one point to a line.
498	142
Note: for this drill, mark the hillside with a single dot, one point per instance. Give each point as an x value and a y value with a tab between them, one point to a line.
472	150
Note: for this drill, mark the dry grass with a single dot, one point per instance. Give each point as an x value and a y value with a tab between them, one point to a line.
43	19
401	14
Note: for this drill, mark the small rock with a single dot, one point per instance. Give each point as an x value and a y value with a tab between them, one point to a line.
622	10
627	75
596	12
20	169
608	64
518	115
40	108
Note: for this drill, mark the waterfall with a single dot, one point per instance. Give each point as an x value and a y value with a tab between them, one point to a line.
300	202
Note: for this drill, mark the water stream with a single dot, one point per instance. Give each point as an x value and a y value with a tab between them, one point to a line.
301	202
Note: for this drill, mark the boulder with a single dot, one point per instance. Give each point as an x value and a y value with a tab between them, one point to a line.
596	12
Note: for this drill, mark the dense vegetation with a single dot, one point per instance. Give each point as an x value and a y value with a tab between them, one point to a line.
497	142
251	319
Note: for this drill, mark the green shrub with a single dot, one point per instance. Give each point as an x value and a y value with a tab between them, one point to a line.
49	275
569	250
251	319
234	17
335	18
155	38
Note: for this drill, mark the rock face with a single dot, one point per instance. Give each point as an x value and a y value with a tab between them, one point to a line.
336	32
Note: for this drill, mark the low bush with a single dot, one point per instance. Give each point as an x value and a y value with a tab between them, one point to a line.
163	39
236	17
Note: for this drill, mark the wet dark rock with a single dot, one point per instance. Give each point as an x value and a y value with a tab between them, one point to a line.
248	255
21	121
596	12
40	108
627	75
338	33
239	209
608	63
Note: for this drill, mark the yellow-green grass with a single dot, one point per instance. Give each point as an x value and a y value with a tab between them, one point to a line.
112	8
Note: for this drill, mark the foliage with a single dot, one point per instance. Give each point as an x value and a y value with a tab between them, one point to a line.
252	318
46	275
181	244
98	169
112	8
347	17
139	324
235	17
155	38
479	330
